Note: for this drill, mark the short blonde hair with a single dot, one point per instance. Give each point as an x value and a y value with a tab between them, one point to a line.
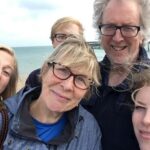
12	85
75	52
62	22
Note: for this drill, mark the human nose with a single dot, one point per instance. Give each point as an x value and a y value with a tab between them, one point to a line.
146	117
118	35
68	83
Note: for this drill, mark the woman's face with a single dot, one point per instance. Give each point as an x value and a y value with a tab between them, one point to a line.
62	95
141	117
6	69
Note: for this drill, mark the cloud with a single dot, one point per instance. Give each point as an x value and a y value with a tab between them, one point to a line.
28	22
37	5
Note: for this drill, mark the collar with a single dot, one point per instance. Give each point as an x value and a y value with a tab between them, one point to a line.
106	65
23	126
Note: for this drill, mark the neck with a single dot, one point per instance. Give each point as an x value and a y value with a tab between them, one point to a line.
117	74
42	113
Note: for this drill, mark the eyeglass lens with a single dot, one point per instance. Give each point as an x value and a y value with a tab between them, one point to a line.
63	73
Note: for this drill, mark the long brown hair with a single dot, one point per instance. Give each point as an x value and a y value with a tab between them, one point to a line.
12	85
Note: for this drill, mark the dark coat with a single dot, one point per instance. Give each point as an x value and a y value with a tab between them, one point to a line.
111	106
80	133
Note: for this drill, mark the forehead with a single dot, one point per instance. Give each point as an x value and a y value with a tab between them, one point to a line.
121	12
68	28
6	59
143	95
78	68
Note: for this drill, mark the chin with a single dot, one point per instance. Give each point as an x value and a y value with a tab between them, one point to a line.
144	144
145	147
118	62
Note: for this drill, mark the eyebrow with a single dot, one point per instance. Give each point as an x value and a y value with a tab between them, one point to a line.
8	67
139	102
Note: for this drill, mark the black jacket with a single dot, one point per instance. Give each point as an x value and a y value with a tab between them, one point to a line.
33	78
112	109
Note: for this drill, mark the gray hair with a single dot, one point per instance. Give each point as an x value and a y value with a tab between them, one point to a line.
144	5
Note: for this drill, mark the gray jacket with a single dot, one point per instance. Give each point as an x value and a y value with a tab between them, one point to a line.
81	132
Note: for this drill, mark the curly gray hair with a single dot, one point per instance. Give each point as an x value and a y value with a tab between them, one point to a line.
144	5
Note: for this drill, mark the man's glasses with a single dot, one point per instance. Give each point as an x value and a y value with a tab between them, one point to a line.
63	73
60	37
126	30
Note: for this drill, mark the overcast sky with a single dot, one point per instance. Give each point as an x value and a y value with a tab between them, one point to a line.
28	22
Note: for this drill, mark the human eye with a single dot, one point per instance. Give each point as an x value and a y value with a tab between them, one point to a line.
81	80
62	70
62	36
129	28
139	107
6	73
109	27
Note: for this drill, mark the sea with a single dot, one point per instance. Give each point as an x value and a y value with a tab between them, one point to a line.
31	58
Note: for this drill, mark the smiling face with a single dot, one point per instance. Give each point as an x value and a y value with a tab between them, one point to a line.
141	117
6	69
61	95
121	49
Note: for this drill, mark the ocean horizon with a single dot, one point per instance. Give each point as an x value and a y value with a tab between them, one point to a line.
32	57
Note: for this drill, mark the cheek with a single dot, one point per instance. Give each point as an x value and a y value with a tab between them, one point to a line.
48	79
136	118
3	83
105	41
79	95
135	43
55	43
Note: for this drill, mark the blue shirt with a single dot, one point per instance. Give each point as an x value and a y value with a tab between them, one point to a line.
47	132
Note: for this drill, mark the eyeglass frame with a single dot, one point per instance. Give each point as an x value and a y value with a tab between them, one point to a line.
65	36
138	28
52	64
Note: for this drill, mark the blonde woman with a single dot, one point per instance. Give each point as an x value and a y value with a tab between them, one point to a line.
141	112
8	72
61	29
50	116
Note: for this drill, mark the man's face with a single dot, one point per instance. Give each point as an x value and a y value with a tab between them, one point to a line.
119	49
65	31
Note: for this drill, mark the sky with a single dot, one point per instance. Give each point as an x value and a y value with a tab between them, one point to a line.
28	22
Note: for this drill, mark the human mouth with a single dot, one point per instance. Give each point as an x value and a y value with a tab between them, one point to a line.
145	135
61	96
118	48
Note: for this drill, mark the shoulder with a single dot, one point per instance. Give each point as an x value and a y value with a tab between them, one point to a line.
33	78
34	73
12	103
89	119
90	131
